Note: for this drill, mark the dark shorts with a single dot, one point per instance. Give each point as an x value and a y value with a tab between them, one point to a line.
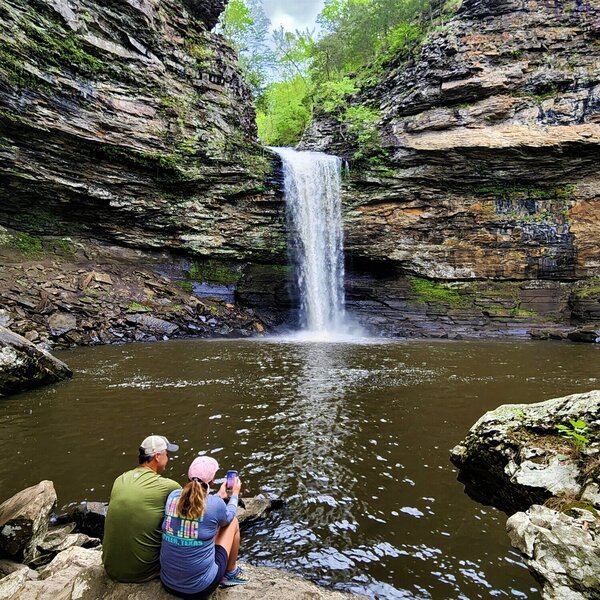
221	561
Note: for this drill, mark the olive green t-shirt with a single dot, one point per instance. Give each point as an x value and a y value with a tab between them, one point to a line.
132	532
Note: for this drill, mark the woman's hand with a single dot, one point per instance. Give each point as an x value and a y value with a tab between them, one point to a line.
222	492
237	486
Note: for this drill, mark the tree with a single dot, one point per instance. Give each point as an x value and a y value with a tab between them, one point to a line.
245	25
284	112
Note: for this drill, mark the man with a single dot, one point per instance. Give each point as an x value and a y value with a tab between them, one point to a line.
132	532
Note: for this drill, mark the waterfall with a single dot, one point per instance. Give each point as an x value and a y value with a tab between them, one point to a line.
312	187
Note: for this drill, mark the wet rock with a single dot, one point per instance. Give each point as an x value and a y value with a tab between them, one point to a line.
24	521
23	365
252	509
585	335
513	456
562	551
152	324
61	323
89	517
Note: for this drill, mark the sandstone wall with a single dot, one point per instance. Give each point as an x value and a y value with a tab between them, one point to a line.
485	170
129	121
490	145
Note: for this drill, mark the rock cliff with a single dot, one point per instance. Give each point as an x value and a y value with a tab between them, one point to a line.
484	168
474	213
129	121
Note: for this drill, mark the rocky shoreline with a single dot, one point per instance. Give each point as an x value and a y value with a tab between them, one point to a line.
78	292
40	559
540	463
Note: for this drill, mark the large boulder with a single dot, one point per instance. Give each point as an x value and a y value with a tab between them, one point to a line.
562	550
23	365
514	457
77	573
24	521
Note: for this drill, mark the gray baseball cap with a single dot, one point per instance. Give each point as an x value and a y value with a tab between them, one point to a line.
154	444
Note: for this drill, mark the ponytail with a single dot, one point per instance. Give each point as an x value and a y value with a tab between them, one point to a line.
192	500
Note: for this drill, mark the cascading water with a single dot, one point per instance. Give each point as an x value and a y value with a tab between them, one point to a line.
312	187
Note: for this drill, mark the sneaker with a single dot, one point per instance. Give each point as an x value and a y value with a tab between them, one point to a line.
237	577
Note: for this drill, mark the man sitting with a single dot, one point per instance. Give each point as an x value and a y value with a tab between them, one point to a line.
132	532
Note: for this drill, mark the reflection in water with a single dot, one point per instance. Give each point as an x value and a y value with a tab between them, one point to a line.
355	438
317	430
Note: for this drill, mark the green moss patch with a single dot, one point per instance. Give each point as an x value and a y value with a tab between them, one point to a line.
587	289
213	271
432	292
29	245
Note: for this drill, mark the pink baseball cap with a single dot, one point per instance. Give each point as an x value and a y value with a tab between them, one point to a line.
203	468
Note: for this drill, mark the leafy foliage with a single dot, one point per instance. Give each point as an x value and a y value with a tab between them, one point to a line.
575	431
297	71
246	26
283	112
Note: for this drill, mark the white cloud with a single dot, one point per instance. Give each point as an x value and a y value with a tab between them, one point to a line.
295	14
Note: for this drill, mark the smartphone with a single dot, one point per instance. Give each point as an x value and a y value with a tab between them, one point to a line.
230	482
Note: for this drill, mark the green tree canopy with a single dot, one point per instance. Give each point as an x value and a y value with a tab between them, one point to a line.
291	72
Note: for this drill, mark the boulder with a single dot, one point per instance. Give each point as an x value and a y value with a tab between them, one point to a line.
514	459
77	573
513	456
252	509
23	365
61	323
585	335
561	550
89	517
24	521
61	538
7	567
14	582
152	324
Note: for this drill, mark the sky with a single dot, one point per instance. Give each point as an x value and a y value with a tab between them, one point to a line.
293	14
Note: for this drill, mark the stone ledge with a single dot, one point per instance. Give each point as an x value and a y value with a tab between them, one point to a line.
77	574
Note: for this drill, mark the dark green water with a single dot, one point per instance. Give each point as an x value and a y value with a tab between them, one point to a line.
354	436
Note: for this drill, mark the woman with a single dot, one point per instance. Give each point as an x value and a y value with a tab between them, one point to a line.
201	536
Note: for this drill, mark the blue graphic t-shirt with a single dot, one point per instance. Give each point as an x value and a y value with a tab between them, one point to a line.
187	552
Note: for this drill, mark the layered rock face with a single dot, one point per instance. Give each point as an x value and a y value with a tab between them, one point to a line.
488	169
129	121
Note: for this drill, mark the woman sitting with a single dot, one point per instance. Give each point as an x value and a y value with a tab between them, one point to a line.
201	536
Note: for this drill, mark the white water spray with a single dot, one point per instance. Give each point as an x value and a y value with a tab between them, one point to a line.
312	186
